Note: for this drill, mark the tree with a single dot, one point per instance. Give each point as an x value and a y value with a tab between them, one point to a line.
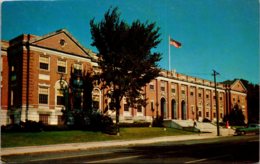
126	59
236	116
252	101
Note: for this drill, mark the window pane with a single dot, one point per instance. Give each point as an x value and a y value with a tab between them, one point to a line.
44	66
61	69
139	108
77	72
60	100
43	99
126	107
162	89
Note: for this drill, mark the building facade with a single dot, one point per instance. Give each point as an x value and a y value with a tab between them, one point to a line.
34	69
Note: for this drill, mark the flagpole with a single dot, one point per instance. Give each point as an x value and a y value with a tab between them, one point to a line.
169	51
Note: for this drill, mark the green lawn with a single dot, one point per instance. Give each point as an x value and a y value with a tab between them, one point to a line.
58	137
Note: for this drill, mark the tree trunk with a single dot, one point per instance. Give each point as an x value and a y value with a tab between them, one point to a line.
117	103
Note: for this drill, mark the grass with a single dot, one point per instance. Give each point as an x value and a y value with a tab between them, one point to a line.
60	137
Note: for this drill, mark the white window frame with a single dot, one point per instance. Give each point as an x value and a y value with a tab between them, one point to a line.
42	61
59	64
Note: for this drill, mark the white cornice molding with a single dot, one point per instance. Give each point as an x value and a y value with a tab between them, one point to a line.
189	84
62	54
239	93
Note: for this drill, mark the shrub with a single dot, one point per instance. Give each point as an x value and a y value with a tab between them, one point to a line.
103	123
55	128
158	122
206	120
135	124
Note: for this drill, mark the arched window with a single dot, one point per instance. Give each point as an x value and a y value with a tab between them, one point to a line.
60	87
96	97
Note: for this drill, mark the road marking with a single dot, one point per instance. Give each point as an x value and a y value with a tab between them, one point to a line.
206	159
195	161
114	159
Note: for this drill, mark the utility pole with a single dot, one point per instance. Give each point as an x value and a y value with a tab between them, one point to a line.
216	98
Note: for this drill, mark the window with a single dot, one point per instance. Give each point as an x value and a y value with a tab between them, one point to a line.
152	109
200	113
43	95
126	107
199	94
162	86
12	98
151	87
61	66
207	114
191	93
207	96
77	69
173	90
214	115
183	92
44	63
44	118
60	98
139	108
62	42
95	105
163	89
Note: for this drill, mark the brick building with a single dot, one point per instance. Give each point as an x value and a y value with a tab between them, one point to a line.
33	70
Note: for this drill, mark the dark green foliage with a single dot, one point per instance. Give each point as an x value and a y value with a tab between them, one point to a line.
28	126
103	123
235	117
126	59
206	120
158	122
135	124
252	101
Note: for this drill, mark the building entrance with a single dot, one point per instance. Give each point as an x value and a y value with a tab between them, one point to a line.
163	108
183	110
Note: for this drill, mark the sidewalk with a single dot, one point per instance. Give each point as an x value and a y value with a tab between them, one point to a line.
100	144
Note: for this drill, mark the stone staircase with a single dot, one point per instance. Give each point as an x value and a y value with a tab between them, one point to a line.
203	127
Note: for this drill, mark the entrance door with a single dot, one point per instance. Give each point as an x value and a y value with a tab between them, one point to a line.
174	111
183	110
163	108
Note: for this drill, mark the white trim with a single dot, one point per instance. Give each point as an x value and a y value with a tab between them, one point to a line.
56	87
44	85
236	92
100	97
44	105
188	84
238	81
62	54
44	77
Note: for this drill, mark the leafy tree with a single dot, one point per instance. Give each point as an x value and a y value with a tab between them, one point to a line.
236	116
126	59
252	101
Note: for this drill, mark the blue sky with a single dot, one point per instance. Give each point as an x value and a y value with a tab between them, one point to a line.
215	34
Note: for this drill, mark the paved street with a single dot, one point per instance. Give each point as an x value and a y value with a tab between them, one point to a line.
234	149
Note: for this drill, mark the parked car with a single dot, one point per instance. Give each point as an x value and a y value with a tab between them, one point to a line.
251	128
